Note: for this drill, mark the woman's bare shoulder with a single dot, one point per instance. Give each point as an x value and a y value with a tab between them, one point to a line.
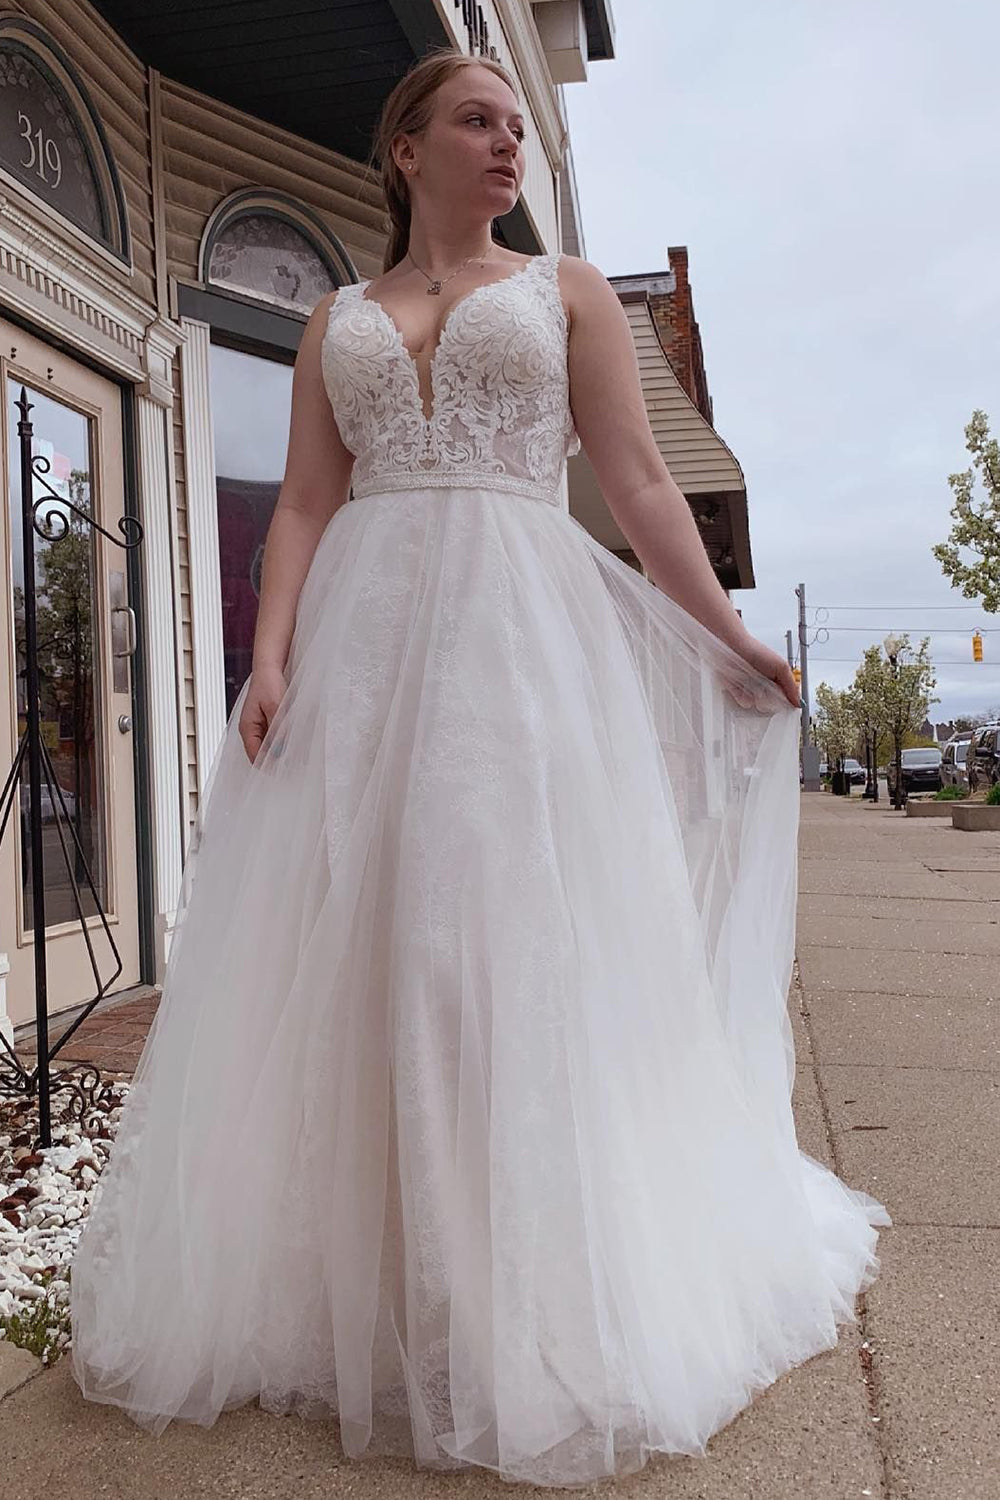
582	274
584	287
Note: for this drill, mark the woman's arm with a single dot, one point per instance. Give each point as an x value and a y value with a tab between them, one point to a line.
609	411
316	483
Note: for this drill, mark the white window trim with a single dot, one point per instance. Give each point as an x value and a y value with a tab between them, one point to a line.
203	546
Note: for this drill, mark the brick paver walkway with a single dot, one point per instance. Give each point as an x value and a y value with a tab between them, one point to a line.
111	1037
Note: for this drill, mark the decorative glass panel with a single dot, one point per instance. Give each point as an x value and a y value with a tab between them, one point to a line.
264	256
41	144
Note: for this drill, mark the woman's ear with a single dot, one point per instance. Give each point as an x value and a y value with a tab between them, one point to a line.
404	155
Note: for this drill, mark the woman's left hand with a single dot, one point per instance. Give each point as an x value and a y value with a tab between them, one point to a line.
769	664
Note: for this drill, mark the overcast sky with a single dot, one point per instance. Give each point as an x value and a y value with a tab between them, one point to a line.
833	173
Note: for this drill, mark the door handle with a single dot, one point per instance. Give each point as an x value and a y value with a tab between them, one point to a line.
121	649
131	634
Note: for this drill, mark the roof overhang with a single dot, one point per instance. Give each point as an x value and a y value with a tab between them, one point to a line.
600	25
321	72
702	465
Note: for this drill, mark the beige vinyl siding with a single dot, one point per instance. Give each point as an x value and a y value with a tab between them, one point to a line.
211	150
115	81
698	459
694	453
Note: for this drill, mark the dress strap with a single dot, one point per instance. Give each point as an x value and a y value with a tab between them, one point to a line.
548	270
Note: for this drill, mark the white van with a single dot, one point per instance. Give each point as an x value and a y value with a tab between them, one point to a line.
953	757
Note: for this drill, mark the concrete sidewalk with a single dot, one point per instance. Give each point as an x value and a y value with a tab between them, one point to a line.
899	1072
895	1009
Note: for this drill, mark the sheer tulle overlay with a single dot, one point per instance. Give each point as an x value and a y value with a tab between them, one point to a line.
465	1115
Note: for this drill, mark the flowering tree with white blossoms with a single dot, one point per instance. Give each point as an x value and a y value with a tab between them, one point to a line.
867	701
909	678
975	521
835	728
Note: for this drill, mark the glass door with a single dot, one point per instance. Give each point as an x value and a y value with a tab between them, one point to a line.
85	643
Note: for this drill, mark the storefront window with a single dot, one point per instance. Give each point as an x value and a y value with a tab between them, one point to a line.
251	411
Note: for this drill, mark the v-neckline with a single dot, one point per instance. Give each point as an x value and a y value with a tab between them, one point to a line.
391	323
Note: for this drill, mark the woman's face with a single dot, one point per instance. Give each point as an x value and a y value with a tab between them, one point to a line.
472	150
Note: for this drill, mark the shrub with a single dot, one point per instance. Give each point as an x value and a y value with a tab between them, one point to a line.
950	794
43	1327
993	795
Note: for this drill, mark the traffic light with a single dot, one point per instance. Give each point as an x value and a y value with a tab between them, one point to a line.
977	647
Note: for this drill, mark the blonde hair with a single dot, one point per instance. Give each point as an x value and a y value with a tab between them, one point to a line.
408	110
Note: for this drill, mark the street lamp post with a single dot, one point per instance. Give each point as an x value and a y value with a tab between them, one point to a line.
871	770
893	646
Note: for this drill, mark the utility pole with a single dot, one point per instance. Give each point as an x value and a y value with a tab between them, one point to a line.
788	648
810	754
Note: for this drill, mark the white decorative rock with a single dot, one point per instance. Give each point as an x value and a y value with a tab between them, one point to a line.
64	1178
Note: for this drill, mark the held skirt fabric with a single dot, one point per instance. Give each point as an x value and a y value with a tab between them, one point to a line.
465	1115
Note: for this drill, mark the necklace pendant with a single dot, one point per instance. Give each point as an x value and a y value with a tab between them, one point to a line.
434	290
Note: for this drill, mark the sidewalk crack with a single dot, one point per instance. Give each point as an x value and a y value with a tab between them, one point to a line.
870	1373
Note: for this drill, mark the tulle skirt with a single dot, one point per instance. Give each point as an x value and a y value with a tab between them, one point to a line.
465	1115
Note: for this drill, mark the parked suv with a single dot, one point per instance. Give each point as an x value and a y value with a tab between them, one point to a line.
953	761
921	772
855	771
983	760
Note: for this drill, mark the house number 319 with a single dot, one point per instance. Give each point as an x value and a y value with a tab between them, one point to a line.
42	152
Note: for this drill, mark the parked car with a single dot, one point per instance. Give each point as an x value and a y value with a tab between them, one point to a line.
953	761
855	771
983	758
47	804
921	772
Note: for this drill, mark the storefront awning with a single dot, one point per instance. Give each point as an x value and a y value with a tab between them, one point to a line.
321	71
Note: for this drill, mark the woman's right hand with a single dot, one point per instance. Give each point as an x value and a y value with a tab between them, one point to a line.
266	689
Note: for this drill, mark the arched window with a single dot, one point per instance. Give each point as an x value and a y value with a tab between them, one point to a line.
52	143
273	250
265	262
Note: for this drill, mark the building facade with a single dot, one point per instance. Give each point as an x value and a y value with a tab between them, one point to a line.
660	311
174	200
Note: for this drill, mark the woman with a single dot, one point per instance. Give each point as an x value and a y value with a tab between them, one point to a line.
466	1110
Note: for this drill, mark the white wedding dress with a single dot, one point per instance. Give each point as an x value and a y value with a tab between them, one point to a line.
465	1115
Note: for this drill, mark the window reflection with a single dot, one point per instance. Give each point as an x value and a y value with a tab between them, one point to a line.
251	411
68	656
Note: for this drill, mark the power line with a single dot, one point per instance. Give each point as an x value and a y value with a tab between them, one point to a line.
883	608
936	664
935	630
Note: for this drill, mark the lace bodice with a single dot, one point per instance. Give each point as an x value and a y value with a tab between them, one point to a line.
500	416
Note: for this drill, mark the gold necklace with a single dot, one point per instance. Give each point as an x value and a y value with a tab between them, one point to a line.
436	283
